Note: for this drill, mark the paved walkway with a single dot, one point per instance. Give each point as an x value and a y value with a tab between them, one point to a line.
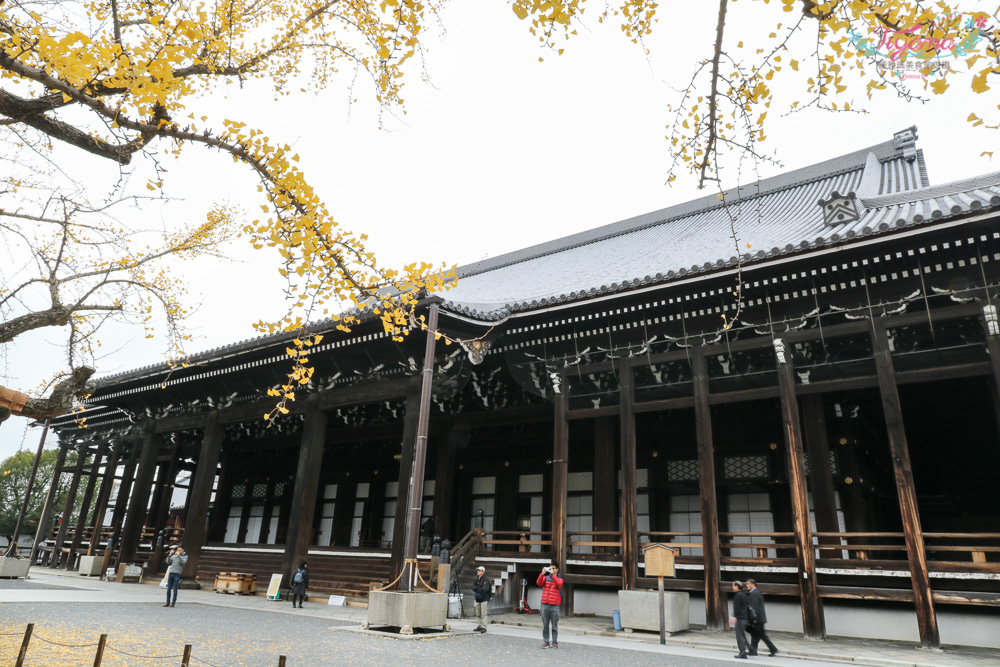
45	586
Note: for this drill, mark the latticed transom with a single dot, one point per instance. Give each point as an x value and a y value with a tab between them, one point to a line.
679	471
745	467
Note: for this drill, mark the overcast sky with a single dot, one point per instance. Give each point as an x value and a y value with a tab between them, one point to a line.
499	151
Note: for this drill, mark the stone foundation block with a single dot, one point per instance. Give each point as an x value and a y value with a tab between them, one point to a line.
640	610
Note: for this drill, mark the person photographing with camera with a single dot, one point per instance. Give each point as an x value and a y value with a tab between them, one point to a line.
177	558
551	584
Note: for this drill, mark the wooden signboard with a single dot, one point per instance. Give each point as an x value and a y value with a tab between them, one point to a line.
659	560
129	573
274	588
660	563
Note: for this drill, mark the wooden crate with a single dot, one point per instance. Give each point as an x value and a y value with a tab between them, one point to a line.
237	583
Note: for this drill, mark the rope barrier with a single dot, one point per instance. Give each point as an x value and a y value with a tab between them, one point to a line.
394	581
143	657
119	651
49	641
429	587
410	562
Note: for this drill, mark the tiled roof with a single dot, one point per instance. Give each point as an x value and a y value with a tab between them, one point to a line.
774	217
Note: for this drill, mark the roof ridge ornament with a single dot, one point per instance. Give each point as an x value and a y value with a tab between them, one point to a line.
871	178
906	141
839	209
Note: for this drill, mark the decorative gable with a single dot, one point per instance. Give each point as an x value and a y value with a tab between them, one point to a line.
839	209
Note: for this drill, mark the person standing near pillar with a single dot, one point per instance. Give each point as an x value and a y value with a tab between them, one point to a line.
757	631
551	584
300	580
482	590
176	560
741	618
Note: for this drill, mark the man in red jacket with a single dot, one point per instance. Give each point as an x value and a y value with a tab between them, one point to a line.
551	584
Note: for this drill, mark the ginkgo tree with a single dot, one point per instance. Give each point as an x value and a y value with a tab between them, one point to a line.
73	267
124	79
128	80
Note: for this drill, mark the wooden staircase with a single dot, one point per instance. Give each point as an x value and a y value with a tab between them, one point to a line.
500	574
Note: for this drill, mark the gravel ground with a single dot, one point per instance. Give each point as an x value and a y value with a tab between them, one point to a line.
232	637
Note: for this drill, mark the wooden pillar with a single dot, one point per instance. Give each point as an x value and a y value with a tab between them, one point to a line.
88	497
820	471
560	474
343	512
67	512
660	501
813	624
165	488
46	516
124	490
307	474
716	613
156	497
135	519
626	422
605	479
200	492
372	528
107	482
992	325
405	472
445	479
505	516
926	616
223	498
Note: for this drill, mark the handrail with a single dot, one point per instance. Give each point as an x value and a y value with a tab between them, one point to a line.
520	539
465	546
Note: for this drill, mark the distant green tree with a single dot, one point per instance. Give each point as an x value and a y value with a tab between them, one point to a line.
14	475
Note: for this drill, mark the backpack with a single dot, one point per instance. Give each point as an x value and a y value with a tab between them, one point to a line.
299	577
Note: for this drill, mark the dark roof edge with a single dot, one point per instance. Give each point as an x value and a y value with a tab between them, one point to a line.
249	344
855	160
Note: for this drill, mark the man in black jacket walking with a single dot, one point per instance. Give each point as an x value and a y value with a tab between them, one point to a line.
741	617
757	631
